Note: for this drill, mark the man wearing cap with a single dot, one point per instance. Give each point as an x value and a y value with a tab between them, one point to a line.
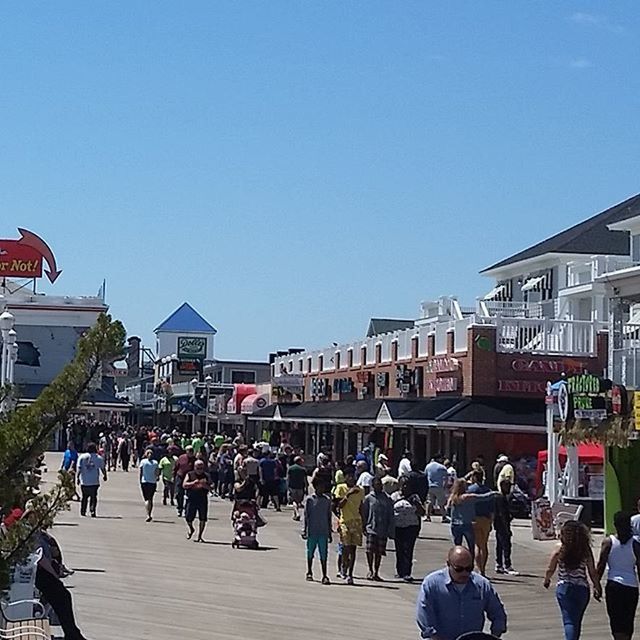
456	600
503	471
382	466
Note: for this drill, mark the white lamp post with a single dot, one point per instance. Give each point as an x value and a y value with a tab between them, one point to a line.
194	387
8	340
11	347
208	380
6	326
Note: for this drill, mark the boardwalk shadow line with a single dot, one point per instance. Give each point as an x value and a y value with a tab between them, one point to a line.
78	570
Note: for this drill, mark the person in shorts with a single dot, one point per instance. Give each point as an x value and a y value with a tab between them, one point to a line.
270	480
317	528
378	518
483	521
349	497
437	478
197	486
149	474
297	482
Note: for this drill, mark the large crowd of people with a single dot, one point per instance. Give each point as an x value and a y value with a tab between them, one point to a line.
358	502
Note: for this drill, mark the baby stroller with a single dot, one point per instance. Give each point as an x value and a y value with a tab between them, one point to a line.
246	520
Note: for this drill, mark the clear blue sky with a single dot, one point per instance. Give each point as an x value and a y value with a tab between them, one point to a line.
293	168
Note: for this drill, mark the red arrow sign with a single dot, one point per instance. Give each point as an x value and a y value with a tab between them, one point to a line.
30	239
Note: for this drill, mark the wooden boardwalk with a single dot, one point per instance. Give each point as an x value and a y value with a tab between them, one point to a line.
138	580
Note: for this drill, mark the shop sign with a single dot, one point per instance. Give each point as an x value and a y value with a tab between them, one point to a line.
442	364
318	387
362	376
190	347
188	366
563	401
404	376
587	383
342	385
442	385
23	258
590	414
382	379
289	381
547	366
522	386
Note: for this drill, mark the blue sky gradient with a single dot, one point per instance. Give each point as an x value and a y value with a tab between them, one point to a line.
293	168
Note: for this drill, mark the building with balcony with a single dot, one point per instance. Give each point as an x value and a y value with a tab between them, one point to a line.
546	314
560	277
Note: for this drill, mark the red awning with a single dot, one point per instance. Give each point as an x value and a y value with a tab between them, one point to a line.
589	453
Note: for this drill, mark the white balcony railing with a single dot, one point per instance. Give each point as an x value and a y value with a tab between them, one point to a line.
506	309
546	336
137	394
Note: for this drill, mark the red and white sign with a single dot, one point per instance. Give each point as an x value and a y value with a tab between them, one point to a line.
23	258
442	385
441	364
530	365
522	386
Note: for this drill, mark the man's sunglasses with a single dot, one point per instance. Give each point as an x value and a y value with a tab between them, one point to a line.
459	569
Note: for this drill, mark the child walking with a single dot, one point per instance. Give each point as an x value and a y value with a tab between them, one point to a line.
317	528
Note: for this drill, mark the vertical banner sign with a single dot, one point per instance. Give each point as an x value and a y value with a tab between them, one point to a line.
636	409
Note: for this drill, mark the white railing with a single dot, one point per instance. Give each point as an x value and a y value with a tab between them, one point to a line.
546	336
506	309
137	393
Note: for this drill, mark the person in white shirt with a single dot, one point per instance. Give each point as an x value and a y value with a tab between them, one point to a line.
635	523
364	477
404	468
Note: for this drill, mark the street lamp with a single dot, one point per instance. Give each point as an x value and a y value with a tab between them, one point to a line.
11	348
7	321
208	380
194	389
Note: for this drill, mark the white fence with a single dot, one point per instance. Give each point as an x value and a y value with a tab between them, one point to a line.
546	336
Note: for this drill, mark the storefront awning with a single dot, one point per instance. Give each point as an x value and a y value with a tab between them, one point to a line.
532	283
495	292
254	402
499	414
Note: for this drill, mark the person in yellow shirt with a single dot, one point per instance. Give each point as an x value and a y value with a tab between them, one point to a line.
348	498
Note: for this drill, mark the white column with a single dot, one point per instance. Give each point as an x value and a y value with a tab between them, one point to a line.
573	471
551	490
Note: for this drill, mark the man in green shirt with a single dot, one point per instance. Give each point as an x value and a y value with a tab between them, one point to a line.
218	441
197	443
297	483
166	465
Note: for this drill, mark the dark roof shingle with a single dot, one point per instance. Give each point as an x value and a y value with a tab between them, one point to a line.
590	236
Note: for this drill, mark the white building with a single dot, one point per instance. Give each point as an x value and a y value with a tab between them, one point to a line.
47	330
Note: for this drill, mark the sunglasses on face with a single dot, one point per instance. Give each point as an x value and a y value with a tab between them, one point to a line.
458	569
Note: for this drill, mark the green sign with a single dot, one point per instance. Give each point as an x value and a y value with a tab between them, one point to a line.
192	348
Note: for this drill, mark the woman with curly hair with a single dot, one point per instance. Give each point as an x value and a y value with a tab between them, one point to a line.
620	554
573	559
